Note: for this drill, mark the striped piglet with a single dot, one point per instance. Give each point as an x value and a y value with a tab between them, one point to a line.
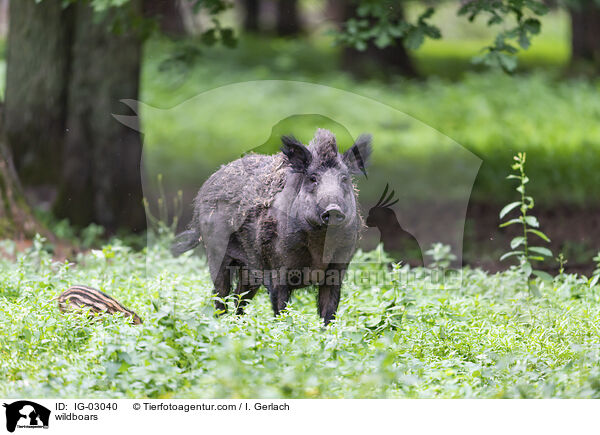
80	296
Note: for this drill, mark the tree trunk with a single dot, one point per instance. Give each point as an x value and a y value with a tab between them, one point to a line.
16	220
37	74
251	16
169	16
585	32
100	177
66	72
288	18
375	61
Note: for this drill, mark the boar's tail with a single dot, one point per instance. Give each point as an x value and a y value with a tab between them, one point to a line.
185	241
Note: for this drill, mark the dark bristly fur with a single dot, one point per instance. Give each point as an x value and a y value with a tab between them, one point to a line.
295	212
79	296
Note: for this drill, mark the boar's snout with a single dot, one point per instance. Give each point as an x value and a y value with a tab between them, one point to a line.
333	216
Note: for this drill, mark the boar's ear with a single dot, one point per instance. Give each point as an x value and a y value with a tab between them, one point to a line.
298	155
357	157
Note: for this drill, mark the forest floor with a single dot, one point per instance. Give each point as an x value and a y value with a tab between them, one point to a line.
485	336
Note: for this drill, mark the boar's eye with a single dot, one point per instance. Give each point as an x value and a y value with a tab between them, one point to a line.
345	179
313	178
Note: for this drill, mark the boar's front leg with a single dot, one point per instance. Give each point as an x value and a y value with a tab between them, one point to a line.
222	277
330	291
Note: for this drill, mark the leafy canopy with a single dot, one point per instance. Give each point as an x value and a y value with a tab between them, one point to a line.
382	22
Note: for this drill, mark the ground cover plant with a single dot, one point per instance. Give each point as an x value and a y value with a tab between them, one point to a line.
485	338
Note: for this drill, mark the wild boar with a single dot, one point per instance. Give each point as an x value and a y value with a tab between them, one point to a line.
284	221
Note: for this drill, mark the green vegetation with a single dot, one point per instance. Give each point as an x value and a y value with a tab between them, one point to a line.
521	245
400	332
487	338
489	113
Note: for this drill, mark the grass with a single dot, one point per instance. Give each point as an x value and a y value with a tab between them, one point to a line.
487	338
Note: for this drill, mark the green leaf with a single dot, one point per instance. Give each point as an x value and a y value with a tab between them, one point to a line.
539	234
414	38
594	280
544	276
517	241
524	41
511	254
374	322
530	202
383	40
537	7
360	45
433	32
228	38
532	221
495	19
534	290
209	37
427	14
536	258
541	250
526	268
532	26
508	208
510	222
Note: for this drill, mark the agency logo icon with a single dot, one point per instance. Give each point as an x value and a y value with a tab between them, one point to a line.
25	414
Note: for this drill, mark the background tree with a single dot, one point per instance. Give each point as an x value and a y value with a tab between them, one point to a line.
37	76
251	20
585	31
100	173
66	72
374	23
16	220
376	57
288	18
168	15
68	66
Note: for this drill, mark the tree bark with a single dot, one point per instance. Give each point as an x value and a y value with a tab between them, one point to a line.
100	177
16	220
66	72
288	18
168	14
251	16
385	62
585	32
37	73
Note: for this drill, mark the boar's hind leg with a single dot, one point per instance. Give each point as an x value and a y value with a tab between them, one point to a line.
329	293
